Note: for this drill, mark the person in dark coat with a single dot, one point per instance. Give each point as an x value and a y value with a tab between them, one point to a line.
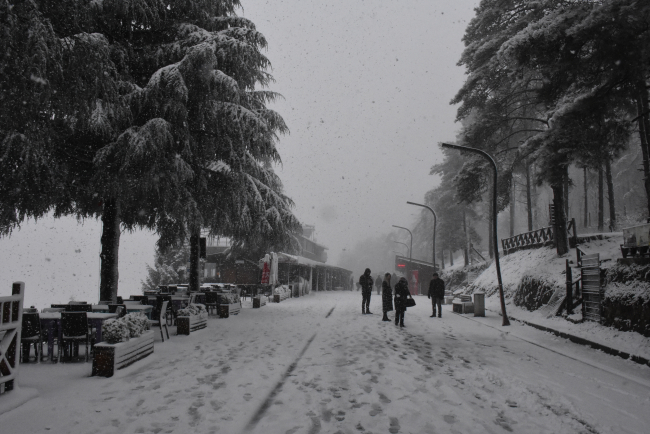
366	281
378	284
401	294
386	296
436	294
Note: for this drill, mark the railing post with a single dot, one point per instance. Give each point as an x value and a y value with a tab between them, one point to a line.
569	289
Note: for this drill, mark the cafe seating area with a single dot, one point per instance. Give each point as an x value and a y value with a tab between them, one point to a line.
58	332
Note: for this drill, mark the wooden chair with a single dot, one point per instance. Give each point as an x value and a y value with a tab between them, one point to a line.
119	309
74	329
211	302
31	334
162	320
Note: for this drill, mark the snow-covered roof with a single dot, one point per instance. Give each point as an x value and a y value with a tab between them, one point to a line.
284	258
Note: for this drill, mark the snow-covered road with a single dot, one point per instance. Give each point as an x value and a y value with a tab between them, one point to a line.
315	364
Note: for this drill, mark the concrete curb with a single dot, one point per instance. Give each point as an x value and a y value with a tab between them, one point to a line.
582	341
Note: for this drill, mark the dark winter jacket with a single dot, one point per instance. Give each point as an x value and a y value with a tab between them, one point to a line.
366	281
378	282
386	296
401	294
436	288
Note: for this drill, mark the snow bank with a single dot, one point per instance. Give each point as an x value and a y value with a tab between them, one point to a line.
626	293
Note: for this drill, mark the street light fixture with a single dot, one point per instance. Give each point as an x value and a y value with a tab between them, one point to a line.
435	222
487	156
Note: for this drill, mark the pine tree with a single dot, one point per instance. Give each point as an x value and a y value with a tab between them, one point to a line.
156	121
169	267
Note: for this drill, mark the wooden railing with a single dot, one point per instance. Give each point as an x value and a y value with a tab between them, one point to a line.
537	238
11	318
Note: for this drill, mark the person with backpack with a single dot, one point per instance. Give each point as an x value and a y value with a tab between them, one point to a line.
366	282
436	294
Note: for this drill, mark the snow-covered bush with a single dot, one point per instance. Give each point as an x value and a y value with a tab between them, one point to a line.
137	322
115	330
193	309
121	329
281	289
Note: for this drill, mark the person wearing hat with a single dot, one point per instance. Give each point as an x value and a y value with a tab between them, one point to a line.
436	294
401	294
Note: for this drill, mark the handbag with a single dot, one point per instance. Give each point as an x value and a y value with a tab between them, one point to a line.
409	302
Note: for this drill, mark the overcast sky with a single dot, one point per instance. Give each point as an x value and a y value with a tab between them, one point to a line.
367	86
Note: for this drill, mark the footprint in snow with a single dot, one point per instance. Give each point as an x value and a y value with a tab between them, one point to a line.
394	426
376	409
384	399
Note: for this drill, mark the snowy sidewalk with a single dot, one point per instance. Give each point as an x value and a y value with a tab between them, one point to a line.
315	364
627	344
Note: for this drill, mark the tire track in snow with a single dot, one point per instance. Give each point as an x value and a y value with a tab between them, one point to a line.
269	399
330	312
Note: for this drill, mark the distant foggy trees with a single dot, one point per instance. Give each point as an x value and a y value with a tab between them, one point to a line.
557	93
146	114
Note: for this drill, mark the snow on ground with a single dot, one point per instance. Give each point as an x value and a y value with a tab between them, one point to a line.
315	364
544	264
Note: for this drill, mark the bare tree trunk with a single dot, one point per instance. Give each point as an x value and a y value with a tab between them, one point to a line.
466	248
194	260
601	200
513	190
610	195
566	192
643	136
529	204
109	274
451	258
586	216
561	240
442	258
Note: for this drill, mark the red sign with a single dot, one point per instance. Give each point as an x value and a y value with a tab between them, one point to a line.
415	277
266	273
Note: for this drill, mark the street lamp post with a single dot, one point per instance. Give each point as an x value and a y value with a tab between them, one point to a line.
404	244
495	240
408	274
435	222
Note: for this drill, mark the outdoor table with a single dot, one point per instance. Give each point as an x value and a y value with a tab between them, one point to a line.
51	324
179	302
144	308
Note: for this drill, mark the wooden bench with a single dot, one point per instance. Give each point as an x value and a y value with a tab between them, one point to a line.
187	324
107	358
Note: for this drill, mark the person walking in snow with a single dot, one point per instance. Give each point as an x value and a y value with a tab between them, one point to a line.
436	294
378	284
366	282
401	294
386	297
